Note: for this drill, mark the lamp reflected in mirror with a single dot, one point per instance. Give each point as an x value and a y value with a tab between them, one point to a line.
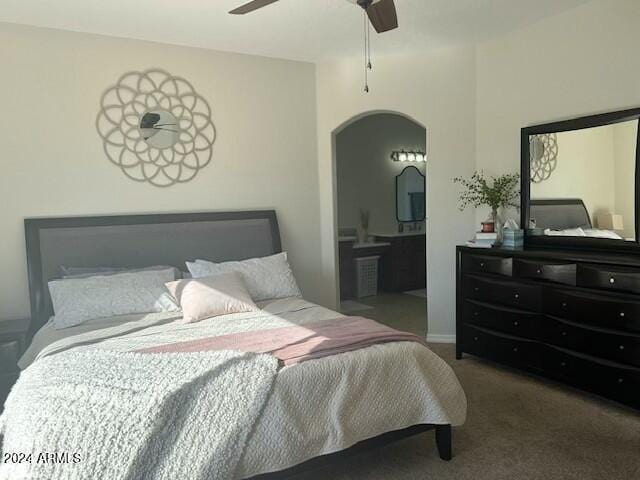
610	221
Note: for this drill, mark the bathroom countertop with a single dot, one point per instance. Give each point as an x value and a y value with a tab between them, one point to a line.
371	245
398	234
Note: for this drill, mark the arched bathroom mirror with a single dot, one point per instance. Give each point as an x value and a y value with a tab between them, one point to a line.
410	195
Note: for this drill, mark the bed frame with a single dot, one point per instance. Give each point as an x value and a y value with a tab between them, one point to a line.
167	239
560	213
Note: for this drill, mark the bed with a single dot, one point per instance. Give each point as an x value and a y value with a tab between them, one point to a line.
566	217
314	410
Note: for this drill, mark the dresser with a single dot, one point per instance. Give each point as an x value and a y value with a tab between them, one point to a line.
569	316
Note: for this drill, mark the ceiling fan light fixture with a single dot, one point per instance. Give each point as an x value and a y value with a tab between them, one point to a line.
381	14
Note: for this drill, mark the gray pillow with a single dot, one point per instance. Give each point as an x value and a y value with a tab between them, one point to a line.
266	277
78	300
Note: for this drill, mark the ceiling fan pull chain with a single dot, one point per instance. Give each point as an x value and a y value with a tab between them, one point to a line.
366	56
369	65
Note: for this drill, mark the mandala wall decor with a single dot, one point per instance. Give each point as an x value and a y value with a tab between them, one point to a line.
156	128
543	153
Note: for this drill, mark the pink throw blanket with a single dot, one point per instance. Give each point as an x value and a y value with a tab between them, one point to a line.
297	344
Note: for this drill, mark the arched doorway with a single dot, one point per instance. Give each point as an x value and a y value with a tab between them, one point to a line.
380	210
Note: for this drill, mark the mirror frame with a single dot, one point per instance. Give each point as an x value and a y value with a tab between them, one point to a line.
424	182
577	243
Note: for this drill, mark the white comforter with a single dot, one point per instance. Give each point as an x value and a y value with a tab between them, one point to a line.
126	415
316	407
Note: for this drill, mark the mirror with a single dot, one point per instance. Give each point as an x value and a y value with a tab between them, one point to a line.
159	129
582	181
410	195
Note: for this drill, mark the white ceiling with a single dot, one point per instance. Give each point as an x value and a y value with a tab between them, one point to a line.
309	30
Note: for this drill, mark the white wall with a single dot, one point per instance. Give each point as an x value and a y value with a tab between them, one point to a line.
53	163
437	89
580	62
625	137
365	174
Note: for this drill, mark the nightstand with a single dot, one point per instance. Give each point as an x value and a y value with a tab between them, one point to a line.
13	338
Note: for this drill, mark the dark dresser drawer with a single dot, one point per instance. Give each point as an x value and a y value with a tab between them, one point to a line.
504	292
609	277
594	341
502	319
558	272
593	309
487	264
609	379
501	348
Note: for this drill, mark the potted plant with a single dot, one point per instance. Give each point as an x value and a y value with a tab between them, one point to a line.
495	192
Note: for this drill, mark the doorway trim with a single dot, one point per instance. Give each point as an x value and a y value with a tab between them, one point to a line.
334	191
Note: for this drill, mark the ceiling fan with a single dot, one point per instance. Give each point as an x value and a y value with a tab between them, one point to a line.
382	13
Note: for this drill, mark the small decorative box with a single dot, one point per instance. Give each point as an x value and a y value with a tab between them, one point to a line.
512	238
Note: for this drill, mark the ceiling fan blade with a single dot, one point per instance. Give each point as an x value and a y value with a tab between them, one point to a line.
251	6
383	15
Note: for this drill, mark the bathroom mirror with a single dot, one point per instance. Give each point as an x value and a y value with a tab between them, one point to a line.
410	195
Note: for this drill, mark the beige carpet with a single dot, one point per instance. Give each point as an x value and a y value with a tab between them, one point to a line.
518	427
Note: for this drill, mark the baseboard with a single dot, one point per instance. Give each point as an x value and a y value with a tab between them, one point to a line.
441	338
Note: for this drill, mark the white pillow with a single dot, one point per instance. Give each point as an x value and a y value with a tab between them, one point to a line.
78	300
567	232
208	297
599	233
266	278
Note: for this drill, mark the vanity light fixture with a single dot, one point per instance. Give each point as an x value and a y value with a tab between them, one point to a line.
411	156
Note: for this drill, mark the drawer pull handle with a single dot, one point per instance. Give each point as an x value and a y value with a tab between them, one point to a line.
622	314
517	295
621	347
482	264
612	280
563	364
564	334
539	271
475	339
475	289
621	380
515	349
515	323
564	304
475	314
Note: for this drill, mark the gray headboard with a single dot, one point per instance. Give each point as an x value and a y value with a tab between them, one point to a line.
560	213
140	241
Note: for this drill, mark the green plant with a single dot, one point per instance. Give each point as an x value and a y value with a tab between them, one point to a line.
502	192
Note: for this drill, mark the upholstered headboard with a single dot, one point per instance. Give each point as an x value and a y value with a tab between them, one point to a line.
140	241
560	213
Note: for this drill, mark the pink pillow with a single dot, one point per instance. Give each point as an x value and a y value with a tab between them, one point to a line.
213	296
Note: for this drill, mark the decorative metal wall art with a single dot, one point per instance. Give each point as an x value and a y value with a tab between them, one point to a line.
156	128
543	153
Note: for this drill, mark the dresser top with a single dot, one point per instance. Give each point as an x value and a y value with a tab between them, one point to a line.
569	255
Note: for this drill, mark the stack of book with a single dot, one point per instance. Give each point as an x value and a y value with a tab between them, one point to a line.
483	240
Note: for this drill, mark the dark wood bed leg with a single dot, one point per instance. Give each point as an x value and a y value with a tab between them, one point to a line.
443	441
